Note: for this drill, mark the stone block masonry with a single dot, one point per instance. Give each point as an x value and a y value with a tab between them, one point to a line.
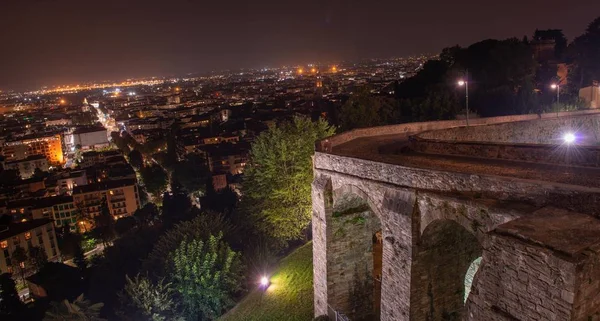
541	267
458	243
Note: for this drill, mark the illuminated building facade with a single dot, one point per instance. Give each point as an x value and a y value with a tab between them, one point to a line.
38	233
48	145
122	197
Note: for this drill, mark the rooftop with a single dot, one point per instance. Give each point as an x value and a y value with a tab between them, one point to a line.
83	130
14	229
103	186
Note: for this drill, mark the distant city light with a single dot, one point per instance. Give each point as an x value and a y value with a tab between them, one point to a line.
313	70
569	138
300	71
62	101
334	69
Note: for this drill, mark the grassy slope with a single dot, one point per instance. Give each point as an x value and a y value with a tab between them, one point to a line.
290	296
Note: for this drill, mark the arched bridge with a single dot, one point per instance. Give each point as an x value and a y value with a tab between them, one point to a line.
439	221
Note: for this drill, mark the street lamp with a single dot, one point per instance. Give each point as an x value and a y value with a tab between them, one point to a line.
557	87
466	84
569	138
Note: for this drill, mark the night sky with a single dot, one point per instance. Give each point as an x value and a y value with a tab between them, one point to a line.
48	42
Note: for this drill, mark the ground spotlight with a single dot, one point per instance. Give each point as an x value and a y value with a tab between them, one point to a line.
264	282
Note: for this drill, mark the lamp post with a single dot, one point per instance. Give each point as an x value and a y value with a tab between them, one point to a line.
466	84
557	87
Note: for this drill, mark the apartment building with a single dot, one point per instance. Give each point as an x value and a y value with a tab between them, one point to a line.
47	145
122	197
26	167
38	233
60	209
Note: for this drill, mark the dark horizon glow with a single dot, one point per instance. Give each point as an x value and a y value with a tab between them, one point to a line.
52	42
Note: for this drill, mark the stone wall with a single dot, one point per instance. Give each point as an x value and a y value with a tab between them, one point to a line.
326	145
576	198
517	281
539	267
544	131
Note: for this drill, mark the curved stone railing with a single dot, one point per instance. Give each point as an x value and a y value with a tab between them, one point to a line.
327	145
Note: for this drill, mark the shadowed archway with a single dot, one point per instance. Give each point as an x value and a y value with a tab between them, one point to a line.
354	273
443	262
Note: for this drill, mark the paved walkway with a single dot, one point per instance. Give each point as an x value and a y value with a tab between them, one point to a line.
386	149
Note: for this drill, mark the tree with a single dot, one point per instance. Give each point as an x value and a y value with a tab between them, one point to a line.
366	110
79	259
223	201
584	52
146	214
206	274
200	227
105	223
19	260
67	241
276	189
192	172
120	142
176	205
10	304
37	257
84	218
141	299
78	310
107	272
136	159
124	225
155	179
38	173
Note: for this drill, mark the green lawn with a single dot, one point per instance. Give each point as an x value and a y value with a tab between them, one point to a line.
290	296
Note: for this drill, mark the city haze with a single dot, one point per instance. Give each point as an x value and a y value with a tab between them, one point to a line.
64	41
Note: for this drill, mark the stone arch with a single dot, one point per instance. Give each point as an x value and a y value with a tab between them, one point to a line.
353	227
442	257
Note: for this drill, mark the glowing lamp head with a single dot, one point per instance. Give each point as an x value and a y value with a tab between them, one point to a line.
264	282
461	82
569	138
554	86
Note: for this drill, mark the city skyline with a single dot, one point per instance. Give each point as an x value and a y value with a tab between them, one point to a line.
62	42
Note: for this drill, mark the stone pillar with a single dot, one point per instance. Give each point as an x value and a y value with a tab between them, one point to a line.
397	209
540	267
321	200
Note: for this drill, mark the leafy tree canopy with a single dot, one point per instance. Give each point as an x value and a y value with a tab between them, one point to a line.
207	275
192	172
277	181
79	310
155	179
366	110
141	299
201	227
